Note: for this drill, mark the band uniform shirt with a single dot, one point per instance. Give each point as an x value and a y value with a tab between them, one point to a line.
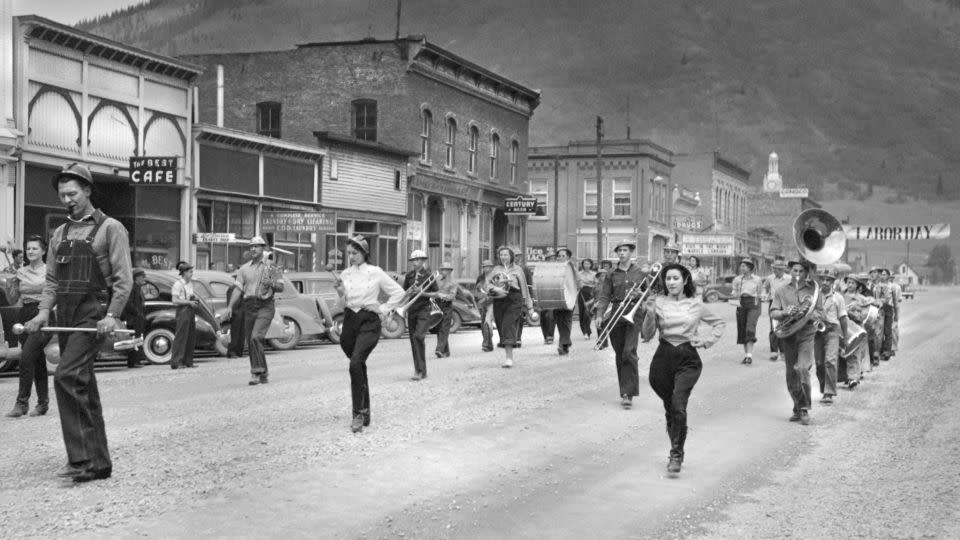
789	295
362	286
615	284
834	308
772	283
248	277
30	282
751	285
588	278
679	321
111	246
182	289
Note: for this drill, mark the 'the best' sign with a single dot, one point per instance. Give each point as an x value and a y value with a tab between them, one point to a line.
153	171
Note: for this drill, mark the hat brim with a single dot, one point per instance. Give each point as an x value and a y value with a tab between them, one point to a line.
632	246
55	182
357	245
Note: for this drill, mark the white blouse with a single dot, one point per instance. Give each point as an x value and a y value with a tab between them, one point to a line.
362	286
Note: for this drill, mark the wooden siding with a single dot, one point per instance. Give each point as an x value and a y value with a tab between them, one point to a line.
364	182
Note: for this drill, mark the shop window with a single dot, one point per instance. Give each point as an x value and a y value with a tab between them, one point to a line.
268	119
450	143
388	244
514	159
426	129
397	185
365	120
494	155
621	197
538	188
474	143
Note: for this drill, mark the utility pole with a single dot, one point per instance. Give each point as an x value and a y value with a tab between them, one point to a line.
397	35
599	190
556	201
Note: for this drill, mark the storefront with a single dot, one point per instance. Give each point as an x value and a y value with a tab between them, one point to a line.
239	177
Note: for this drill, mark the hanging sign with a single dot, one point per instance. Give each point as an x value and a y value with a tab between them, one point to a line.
520	206
214	237
153	171
298	222
930	231
708	245
794	193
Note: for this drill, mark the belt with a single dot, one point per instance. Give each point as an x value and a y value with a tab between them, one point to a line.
30	302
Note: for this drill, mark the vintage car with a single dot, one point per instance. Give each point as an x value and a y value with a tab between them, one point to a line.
304	316
319	286
161	314
722	290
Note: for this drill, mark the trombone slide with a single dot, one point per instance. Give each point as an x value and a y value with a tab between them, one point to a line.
19	329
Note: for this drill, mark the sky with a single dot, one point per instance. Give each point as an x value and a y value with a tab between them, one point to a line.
69	11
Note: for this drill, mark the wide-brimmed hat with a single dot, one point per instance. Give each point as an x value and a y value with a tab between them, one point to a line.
446	265
137	271
876	269
257	241
748	261
672	246
625	243
418	254
566	250
359	242
74	171
828	273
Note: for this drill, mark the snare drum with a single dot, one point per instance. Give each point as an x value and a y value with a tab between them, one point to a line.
856	337
555	285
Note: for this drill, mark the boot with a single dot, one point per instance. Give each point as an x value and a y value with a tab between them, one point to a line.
40	409
366	417
677	438
357	424
19	409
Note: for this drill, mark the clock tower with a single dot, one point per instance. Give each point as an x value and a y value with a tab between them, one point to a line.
772	183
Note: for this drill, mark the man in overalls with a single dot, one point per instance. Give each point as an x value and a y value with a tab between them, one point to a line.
89	280
257	288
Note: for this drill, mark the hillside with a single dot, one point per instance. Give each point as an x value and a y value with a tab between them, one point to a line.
845	92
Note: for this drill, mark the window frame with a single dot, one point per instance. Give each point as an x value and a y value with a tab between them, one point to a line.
545	192
472	150
589	188
615	192
514	160
450	144
494	155
426	133
269	107
362	133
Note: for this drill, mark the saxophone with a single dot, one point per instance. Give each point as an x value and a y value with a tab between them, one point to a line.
270	282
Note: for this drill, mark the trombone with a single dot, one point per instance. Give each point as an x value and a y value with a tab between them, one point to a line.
645	285
434	309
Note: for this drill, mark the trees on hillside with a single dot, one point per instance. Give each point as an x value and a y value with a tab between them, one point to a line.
942	263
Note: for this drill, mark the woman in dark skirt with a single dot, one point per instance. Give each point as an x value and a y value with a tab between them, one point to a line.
676	365
747	288
507	285
185	337
360	286
588	282
27	287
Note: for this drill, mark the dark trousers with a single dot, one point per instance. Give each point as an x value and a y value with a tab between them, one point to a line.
78	399
33	361
185	338
564	320
443	331
826	353
799	358
418	324
237	331
774	340
886	345
485	330
674	371
624	338
583	314
548	324
257	316
361	333
747	316
508	312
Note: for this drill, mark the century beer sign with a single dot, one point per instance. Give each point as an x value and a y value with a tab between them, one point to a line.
153	171
520	205
930	231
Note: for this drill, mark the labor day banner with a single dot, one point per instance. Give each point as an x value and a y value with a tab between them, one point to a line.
931	231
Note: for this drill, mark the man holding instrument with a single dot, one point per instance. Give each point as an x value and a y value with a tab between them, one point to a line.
564	317
624	335
257	287
418	314
89	280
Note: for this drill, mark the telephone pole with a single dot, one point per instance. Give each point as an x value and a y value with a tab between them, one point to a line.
599	190
397	35
556	201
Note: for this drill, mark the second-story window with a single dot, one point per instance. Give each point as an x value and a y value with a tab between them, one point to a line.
621	197
450	142
514	158
494	155
365	120
590	197
538	188
268	119
426	129
474	143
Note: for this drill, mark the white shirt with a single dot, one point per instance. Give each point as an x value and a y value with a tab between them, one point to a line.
363	285
181	289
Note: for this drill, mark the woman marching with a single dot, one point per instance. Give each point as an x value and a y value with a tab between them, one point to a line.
697	273
747	288
185	337
360	286
588	282
676	365
27	286
507	285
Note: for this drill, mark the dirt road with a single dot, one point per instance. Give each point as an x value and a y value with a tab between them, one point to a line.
476	451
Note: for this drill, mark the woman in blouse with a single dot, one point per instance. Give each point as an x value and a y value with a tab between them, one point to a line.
676	365
507	284
360	286
588	282
747	288
185	337
27	287
698	274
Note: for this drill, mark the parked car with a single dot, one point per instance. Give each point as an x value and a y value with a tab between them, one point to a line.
161	314
722	290
303	315
320	286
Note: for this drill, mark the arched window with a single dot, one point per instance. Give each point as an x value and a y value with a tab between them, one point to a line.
450	142
494	155
426	129
514	158
474	143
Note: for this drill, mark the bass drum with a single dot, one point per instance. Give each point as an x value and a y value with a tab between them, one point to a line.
856	337
555	285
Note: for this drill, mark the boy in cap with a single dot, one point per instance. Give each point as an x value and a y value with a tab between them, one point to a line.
446	294
827	343
774	281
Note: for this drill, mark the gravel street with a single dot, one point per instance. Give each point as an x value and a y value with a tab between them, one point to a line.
475	451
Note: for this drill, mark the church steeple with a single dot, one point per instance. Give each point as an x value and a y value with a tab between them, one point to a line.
772	183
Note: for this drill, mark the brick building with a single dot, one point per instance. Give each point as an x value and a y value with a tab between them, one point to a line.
637	197
467	125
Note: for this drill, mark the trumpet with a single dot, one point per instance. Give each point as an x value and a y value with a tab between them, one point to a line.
645	285
402	310
19	329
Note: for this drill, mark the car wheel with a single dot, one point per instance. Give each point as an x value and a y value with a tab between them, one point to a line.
158	346
288	342
393	327
455	322
334	337
711	297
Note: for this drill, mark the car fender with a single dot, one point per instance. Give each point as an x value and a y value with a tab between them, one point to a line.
308	325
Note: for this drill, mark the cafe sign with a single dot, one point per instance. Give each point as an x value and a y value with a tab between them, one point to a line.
298	222
520	206
153	171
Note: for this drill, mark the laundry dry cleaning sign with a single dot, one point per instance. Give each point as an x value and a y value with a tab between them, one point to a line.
931	231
